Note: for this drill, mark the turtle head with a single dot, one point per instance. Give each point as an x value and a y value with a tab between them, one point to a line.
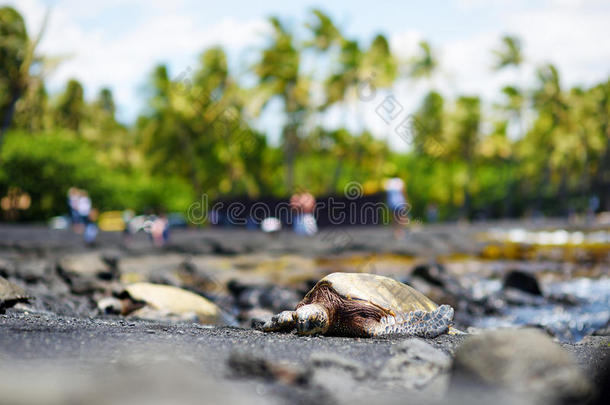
311	319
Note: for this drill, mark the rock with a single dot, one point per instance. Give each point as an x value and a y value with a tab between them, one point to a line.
147	312
290	382
271	297
602	383
522	281
86	274
433	273
255	317
345	378
11	294
603	331
523	361
87	264
415	364
355	369
173	300
420	351
7	267
516	297
245	365
110	305
32	271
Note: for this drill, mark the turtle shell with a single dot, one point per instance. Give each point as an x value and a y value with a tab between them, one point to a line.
386	293
10	292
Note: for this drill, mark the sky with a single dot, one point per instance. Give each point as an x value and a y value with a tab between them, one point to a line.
116	43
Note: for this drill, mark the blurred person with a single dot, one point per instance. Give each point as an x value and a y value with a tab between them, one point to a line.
592	208
83	206
127	216
91	229
397	204
159	230
432	212
75	218
304	221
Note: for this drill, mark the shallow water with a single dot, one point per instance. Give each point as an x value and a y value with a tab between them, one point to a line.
568	323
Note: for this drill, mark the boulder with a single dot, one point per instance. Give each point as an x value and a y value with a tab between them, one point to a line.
522	281
169	300
416	364
523	361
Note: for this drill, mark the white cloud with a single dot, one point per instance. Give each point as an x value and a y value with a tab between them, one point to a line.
167	35
570	33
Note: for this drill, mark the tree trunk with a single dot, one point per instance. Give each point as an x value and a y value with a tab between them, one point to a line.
290	154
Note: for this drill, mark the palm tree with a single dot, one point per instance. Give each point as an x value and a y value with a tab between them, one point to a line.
17	56
425	62
71	107
353	67
325	33
279	75
464	139
509	54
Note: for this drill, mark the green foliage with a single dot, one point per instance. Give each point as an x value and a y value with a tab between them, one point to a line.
425	63
196	135
71	106
14	44
509	54
46	165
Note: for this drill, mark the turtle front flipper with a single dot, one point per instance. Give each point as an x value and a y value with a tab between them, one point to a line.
416	323
282	322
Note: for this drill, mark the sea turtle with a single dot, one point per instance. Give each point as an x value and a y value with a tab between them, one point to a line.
364	305
11	294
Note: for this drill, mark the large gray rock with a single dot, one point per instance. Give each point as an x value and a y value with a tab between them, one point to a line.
525	362
415	365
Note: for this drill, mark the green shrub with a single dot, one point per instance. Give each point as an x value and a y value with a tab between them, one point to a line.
46	165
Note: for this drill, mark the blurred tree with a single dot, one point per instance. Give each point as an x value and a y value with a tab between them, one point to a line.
17	58
32	109
510	53
599	119
429	126
70	109
194	135
325	33
354	73
279	76
424	64
14	63
463	138
378	64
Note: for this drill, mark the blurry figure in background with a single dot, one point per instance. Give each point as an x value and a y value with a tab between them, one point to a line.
83	206
397	203
304	205
271	226
592	209
75	217
91	228
86	217
432	213
159	230
127	216
14	201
